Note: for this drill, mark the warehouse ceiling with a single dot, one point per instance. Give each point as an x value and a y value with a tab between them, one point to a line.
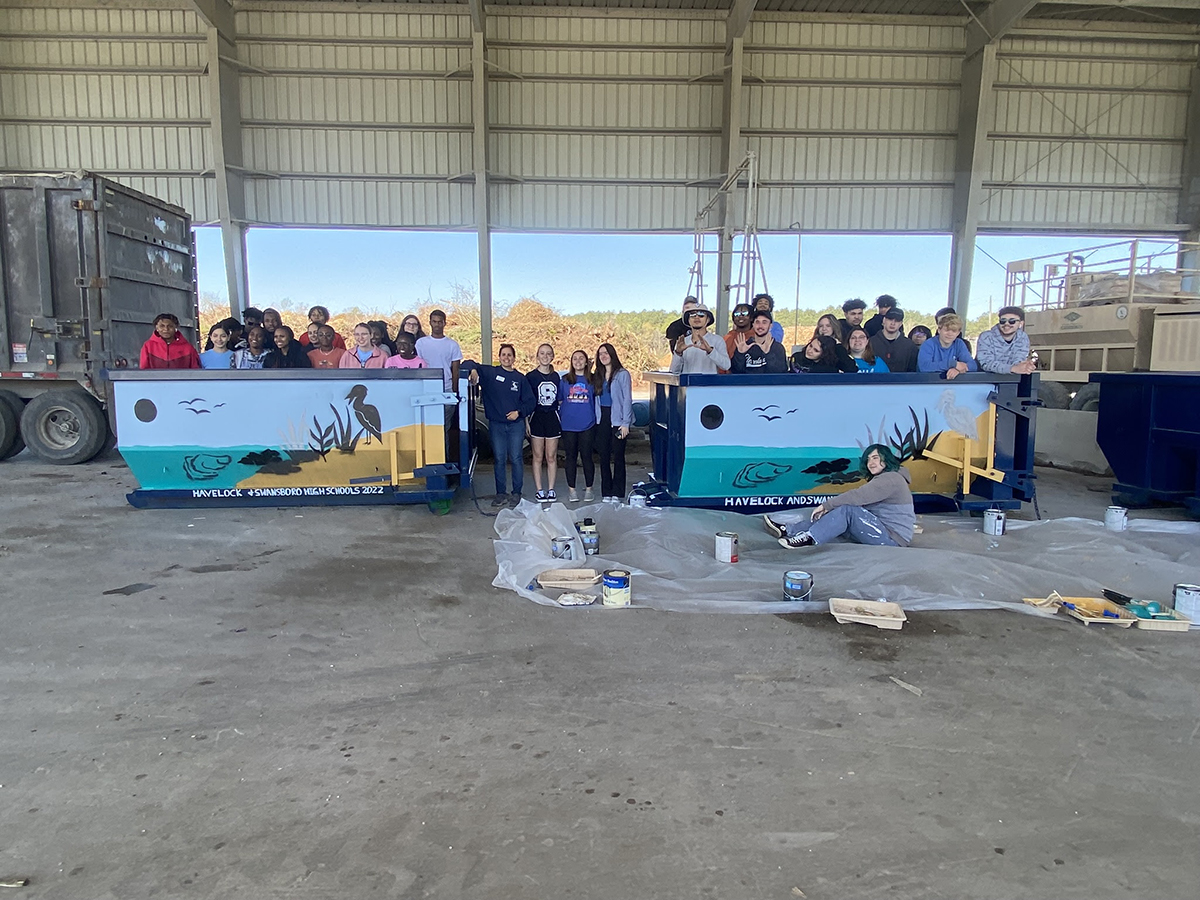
1156	12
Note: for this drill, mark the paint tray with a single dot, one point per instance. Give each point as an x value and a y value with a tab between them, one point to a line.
568	579
1175	621
879	613
1091	611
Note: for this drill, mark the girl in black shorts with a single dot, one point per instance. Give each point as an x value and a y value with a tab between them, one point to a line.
545	427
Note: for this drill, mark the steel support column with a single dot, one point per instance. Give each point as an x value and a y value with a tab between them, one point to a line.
731	155
1189	195
974	117
479	116
225	112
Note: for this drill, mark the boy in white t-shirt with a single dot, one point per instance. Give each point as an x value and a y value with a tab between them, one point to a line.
439	351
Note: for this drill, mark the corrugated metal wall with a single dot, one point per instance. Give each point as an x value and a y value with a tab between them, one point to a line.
117	91
357	118
854	124
600	120
1088	133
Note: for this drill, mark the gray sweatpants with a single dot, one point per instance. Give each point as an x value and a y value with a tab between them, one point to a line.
862	526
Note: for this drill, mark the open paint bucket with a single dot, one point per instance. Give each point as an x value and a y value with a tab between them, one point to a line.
797	585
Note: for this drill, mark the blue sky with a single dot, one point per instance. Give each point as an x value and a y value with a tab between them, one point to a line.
399	270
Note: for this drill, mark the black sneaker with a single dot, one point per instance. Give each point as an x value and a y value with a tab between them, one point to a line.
514	499
773	527
795	543
500	501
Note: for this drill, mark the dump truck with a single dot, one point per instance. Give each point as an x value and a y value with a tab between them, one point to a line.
1126	306
85	266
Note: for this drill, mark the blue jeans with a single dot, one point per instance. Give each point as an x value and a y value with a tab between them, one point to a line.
508	439
860	524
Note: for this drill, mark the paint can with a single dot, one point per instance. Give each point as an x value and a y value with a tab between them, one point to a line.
562	547
1116	518
589	536
727	546
637	499
797	585
993	522
1187	601
616	587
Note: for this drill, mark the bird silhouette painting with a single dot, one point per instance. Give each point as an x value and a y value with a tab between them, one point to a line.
367	415
960	418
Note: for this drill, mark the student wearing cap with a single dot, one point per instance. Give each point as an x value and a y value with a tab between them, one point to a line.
767	302
946	354
1004	348
697	352
853	311
919	334
883	303
760	353
679	326
898	353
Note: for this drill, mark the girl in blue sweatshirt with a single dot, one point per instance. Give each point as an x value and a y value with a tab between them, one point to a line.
578	413
947	354
507	401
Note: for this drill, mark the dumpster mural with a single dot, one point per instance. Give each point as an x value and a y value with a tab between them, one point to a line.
793	440
256	434
755	442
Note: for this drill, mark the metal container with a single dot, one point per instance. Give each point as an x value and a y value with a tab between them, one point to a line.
1116	518
1187	601
637	499
617	589
993	522
797	585
589	536
562	547
727	546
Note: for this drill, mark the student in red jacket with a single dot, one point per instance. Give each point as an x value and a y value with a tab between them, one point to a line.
167	348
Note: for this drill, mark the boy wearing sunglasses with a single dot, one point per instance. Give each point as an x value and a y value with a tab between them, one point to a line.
1004	348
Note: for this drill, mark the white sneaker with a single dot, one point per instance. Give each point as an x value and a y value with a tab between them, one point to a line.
589	494
572	497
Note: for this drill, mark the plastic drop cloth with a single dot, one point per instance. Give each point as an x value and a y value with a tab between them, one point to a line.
951	565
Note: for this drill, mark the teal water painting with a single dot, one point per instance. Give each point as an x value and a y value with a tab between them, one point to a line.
182	468
730	471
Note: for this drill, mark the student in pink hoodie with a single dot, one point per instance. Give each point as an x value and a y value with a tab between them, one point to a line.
363	355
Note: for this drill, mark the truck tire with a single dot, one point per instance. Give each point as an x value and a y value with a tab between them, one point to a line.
1054	395
17	405
10	431
64	427
1087	398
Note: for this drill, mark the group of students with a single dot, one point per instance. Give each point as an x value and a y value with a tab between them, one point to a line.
264	342
587	409
846	345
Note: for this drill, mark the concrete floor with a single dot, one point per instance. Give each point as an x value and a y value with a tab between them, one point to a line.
335	702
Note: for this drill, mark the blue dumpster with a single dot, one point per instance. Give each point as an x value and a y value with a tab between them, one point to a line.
756	443
1149	430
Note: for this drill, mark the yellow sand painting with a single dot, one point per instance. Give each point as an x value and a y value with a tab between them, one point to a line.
370	460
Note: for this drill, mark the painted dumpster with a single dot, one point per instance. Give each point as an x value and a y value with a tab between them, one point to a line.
286	437
756	443
1148	425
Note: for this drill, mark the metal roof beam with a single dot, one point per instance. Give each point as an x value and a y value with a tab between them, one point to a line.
739	17
994	22
476	7
1126	4
217	14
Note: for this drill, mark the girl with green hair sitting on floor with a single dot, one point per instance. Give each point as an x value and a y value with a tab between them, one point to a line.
878	513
